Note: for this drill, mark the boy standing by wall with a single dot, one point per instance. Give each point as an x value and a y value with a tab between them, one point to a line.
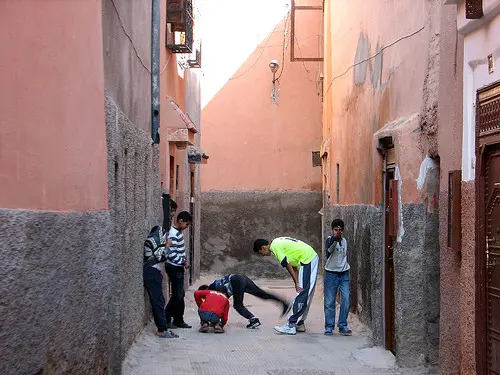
175	266
301	262
336	277
155	253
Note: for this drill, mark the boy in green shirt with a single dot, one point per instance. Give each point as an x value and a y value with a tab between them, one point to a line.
301	262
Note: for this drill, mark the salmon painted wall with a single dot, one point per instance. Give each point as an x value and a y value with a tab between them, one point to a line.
359	100
52	132
253	143
172	84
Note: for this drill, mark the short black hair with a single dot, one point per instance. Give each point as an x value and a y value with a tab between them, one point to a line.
338	223
185	217
259	242
173	205
203	287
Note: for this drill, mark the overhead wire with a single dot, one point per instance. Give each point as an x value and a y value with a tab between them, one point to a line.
373	56
129	37
285	32
303	63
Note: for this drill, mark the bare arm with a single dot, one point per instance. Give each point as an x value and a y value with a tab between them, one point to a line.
292	271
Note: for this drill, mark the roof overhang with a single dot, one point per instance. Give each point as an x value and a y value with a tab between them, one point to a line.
180	128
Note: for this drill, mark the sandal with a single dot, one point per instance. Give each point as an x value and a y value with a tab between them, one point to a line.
167	334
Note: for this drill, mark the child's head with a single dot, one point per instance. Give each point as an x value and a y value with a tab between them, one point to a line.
261	246
173	209
203	287
183	220
337	228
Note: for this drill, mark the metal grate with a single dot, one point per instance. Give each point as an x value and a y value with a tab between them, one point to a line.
488	116
473	9
179	31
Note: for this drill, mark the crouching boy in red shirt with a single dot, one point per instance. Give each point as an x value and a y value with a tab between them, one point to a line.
213	308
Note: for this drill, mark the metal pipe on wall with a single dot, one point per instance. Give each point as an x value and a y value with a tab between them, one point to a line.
155	70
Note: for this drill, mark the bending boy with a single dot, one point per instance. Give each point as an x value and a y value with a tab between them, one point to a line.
301	262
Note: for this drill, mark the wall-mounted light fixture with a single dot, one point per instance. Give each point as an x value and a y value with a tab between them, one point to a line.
274	66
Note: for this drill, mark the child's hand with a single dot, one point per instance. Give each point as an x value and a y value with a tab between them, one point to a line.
298	289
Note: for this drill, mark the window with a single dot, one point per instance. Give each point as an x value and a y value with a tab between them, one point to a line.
316	159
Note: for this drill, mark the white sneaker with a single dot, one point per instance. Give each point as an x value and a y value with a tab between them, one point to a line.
286	329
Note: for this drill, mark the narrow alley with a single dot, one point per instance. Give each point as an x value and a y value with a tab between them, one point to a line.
150	146
261	351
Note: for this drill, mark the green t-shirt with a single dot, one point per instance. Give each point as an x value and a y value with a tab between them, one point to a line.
290	250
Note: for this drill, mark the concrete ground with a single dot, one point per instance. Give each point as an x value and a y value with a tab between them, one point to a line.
261	351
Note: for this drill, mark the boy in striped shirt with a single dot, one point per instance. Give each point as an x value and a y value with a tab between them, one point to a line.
175	265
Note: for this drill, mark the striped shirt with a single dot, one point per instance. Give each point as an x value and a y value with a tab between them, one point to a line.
176	252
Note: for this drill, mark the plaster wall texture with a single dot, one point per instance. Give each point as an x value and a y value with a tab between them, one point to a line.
258	144
386	73
127	59
450	152
467	321
231	221
56	293
52	153
134	199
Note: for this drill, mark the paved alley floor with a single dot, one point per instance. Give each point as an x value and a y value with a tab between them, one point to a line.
260	351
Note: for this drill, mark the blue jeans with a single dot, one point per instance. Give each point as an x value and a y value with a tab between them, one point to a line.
208	317
333	282
153	281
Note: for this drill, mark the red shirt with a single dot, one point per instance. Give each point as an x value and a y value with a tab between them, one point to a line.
212	301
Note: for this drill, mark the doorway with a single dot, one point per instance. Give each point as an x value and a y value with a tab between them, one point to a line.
488	230
391	204
192	226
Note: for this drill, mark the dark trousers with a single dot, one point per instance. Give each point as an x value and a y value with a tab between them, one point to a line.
153	279
175	305
241	284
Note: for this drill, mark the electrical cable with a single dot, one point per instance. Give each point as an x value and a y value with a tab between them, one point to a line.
129	37
303	63
256	60
284	43
371	57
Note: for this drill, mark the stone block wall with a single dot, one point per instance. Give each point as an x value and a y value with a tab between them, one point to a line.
232	220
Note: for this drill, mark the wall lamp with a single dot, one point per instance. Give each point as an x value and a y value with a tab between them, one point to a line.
274	66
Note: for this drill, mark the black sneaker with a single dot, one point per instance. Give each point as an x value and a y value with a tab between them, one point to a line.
254	323
183	325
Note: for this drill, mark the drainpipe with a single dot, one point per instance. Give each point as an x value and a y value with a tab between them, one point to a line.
155	71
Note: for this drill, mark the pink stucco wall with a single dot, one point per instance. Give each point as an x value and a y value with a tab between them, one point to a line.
253	143
360	100
52	132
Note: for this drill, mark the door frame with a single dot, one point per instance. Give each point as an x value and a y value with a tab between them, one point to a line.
484	141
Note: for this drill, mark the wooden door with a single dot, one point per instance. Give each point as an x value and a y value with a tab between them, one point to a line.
492	257
488	229
391	204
